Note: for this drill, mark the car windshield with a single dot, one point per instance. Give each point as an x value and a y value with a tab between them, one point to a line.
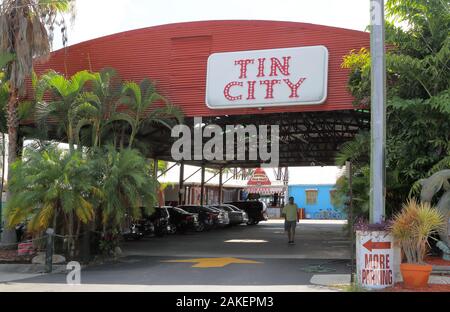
226	208
211	209
234	208
193	209
179	210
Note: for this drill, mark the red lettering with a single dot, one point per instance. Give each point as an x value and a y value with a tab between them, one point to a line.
368	261
388	266
251	90
261	62
283	68
244	64
294	87
382	262
269	84
226	91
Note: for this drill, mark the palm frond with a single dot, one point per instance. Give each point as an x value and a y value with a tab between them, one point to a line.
131	95
353	150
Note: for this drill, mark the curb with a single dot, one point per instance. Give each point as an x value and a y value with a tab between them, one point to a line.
31	268
440	269
34	268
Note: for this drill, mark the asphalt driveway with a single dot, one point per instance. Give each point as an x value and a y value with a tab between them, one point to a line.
243	255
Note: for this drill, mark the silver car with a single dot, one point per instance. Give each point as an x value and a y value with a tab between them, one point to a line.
236	215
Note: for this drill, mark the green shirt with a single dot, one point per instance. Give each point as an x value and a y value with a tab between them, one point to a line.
290	211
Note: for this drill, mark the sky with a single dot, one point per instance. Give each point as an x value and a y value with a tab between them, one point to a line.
96	18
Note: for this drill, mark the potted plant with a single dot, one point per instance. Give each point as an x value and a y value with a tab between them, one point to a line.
411	228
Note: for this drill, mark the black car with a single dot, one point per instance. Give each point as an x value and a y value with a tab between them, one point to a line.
208	217
138	229
160	219
255	210
182	220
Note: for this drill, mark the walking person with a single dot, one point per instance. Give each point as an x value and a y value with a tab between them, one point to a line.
290	214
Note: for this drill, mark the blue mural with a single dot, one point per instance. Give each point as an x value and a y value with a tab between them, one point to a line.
319	206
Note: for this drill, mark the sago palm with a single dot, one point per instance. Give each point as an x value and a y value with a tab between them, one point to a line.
52	185
127	184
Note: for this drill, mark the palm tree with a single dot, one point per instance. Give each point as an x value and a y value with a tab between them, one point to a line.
139	99
52	185
99	110
69	101
5	58
356	150
127	184
26	31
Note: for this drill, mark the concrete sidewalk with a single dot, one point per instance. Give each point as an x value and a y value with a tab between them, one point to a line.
16	272
18	287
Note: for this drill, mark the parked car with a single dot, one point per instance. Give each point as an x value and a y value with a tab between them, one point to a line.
235	215
161	220
207	216
138	229
256	210
223	219
182	220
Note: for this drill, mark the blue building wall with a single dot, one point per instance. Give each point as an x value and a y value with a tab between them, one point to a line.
323	199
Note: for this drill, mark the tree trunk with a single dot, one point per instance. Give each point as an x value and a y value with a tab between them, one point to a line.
3	172
70	234
9	235
3	165
85	239
70	138
122	138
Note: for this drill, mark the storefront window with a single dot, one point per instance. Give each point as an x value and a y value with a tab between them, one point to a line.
311	197
332	195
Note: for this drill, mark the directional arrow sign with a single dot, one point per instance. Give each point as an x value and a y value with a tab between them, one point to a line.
370	245
213	262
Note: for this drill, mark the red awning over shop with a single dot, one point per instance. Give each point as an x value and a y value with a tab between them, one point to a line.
263	190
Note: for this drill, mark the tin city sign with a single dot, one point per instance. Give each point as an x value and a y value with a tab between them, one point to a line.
374	259
278	77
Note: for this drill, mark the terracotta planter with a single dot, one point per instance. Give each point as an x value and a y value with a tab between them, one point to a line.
415	275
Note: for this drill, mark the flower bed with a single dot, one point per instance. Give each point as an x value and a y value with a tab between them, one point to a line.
11	256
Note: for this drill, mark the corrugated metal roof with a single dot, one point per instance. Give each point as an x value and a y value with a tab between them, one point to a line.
175	57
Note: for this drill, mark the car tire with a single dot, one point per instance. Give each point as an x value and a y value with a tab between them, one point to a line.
173	229
200	228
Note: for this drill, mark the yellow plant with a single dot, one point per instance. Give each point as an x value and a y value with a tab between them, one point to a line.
413	226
